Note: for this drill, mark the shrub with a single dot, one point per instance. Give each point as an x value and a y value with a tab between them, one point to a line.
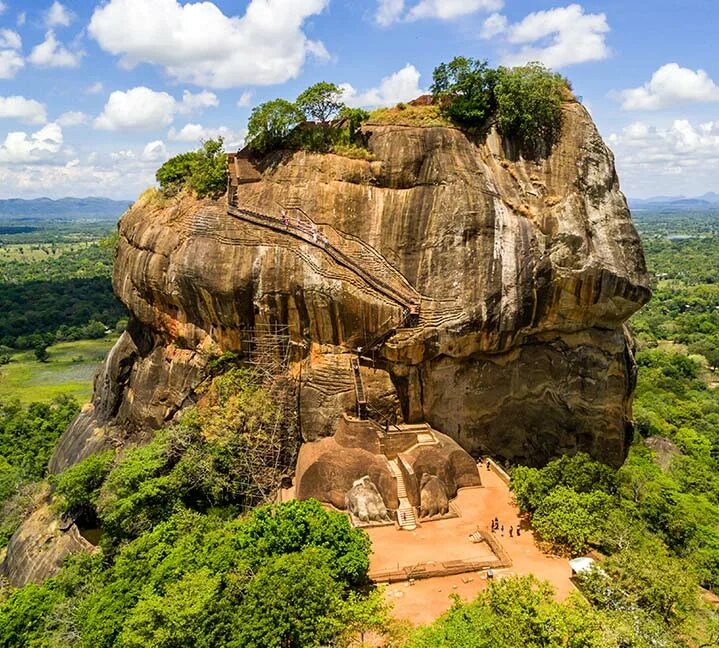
529	105
464	89
79	485
204	171
271	123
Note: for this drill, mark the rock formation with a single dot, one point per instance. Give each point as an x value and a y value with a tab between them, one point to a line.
519	274
525	272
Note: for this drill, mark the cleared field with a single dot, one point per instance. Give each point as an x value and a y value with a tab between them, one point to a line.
69	370
38	251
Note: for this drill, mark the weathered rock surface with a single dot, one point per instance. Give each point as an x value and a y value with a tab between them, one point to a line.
39	547
525	271
365	503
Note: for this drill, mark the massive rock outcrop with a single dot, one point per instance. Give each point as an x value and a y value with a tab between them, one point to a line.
524	272
485	294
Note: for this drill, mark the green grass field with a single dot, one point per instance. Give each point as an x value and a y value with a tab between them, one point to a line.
38	251
69	370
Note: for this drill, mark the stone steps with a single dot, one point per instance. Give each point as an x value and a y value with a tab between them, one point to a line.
405	513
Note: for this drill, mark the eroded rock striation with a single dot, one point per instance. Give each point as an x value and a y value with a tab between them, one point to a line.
524	272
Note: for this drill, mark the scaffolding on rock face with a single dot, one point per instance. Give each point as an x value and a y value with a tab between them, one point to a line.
270	458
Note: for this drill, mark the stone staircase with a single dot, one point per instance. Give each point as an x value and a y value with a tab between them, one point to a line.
405	513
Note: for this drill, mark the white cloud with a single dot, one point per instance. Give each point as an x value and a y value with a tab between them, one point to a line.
3	7
493	26
403	85
245	99
72	118
137	109
95	88
52	53
450	9
144	109
196	43
57	16
10	39
28	111
21	147
196	102
21	18
154	152
11	62
558	37
196	133
388	11
391	11
680	157
671	85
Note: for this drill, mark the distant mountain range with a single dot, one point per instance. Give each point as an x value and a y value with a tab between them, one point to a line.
63	208
709	200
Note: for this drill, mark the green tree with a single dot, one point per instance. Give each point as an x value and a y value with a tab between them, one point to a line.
570	519
355	118
174	174
209	173
464	89
41	353
529	106
271	123
79	485
292	603
320	102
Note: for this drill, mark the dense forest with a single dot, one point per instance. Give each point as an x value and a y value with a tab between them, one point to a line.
55	286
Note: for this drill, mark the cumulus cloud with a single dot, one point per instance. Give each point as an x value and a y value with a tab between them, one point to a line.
52	53
11	62
25	110
154	152
137	109
449	9
403	85
197	133
198	101
245	99
671	85
493	26
57	16
388	11
391	11
196	43
72	118
22	147
144	109
10	39
684	154
557	37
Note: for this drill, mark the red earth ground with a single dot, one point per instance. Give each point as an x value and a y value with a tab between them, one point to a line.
448	539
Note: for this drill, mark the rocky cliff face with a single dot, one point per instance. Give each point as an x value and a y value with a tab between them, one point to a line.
524	273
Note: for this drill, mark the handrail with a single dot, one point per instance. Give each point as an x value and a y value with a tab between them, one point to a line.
335	253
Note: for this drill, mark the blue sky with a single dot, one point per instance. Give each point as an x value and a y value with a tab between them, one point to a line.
95	95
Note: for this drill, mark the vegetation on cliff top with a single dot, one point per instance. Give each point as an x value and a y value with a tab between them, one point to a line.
203	171
317	121
524	103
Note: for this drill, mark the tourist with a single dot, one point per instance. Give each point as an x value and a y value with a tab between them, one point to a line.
518	531
503	530
490	574
511	531
488	464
